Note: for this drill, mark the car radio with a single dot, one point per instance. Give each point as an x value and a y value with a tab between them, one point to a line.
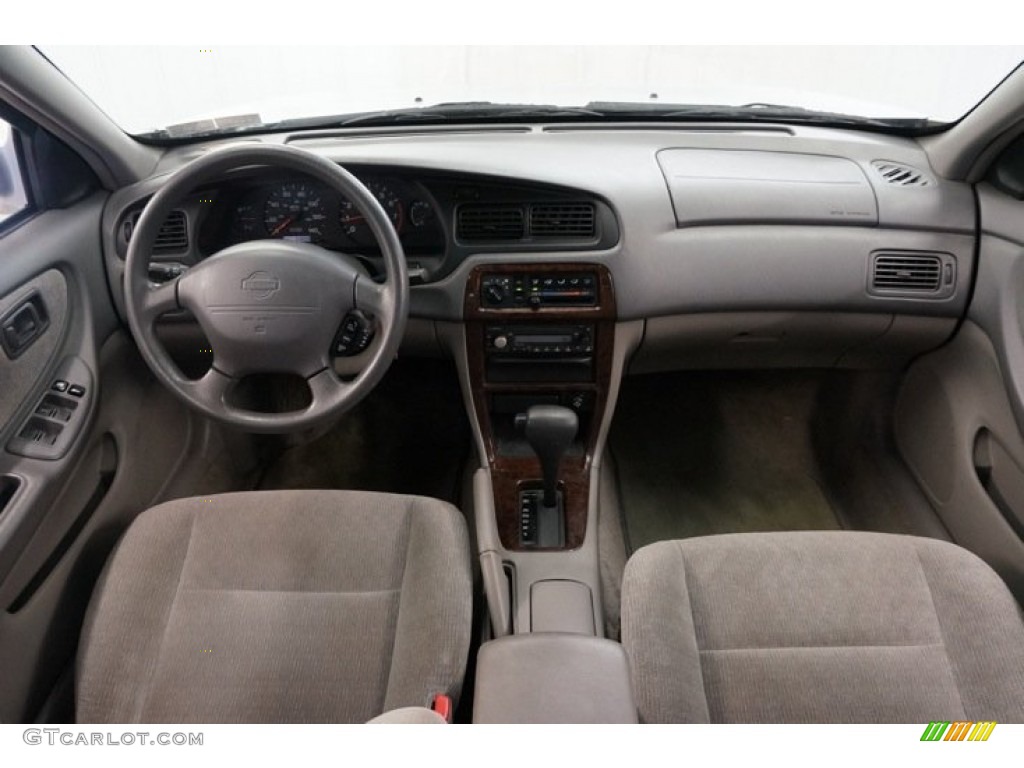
545	341
505	291
539	353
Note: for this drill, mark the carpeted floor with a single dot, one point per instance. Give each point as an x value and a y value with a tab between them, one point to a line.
732	453
410	435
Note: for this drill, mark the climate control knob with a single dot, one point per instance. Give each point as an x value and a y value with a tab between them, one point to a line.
494	294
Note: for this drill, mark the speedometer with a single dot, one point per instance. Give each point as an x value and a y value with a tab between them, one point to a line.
353	223
295	210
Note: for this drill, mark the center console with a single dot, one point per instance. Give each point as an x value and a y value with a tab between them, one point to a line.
553	678
540	342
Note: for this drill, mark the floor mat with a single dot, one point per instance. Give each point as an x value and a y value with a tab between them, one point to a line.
701	454
410	435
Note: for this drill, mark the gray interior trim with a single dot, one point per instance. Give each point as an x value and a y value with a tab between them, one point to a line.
559	605
997	302
21	376
32	85
963	151
720	340
947	399
659	269
714	186
553	678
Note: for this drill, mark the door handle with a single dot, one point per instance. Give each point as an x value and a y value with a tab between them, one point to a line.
23	325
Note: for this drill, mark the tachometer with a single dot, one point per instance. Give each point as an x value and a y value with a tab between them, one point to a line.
295	210
353	223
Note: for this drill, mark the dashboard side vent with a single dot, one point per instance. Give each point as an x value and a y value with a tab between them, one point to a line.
491	222
173	234
907	273
900	175
562	220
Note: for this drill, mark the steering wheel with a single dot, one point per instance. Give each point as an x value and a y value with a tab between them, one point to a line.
268	306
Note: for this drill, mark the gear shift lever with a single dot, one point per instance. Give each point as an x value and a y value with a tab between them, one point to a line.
550	430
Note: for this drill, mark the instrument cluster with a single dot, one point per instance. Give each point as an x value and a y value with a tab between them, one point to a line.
307	211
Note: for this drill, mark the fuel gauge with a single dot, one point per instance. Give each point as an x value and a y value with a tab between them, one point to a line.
246	222
420	213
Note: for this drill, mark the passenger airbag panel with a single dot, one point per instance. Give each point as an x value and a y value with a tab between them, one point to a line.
719	186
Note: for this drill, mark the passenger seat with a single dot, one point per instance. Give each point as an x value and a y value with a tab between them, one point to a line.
820	627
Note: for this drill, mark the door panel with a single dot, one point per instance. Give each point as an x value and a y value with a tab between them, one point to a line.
55	256
53	260
19	376
960	414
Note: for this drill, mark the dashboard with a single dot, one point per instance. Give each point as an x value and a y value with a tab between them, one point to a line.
732	244
441	218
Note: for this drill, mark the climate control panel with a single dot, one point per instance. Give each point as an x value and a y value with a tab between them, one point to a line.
523	291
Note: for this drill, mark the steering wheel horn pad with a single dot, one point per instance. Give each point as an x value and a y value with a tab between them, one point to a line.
270	306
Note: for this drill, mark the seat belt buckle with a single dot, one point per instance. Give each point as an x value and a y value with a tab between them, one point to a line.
442	705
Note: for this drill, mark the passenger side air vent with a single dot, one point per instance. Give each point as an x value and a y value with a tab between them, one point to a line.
562	220
490	222
911	273
900	175
172	237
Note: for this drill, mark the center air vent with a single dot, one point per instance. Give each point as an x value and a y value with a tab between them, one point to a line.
562	220
912	273
491	222
173	234
900	175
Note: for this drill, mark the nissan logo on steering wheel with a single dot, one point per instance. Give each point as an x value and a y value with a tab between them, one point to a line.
261	285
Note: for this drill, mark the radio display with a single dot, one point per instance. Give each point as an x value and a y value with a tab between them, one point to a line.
545	339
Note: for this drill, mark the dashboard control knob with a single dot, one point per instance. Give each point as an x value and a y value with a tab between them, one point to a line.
494	294
500	342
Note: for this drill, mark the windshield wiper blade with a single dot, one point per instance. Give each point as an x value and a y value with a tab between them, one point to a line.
465	110
753	111
486	111
455	112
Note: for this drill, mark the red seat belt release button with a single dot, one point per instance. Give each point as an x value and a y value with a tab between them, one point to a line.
443	706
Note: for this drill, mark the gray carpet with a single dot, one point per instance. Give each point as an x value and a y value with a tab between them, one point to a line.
731	452
410	435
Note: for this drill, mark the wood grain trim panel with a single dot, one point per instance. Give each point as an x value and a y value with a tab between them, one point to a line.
511	473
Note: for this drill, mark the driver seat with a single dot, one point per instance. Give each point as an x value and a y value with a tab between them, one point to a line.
279	606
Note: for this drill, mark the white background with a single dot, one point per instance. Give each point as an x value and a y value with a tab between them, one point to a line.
144	88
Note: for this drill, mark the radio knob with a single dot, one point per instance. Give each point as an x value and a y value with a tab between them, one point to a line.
500	342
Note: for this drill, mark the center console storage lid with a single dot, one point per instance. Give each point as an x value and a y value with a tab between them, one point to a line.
549	677
720	186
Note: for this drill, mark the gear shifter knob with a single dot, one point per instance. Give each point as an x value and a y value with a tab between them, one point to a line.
550	430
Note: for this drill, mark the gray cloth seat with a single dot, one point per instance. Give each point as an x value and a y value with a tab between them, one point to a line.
819	627
283	606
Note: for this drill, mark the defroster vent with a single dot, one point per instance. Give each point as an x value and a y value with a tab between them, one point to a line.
900	175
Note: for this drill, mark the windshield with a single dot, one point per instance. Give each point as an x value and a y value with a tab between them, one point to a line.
174	92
